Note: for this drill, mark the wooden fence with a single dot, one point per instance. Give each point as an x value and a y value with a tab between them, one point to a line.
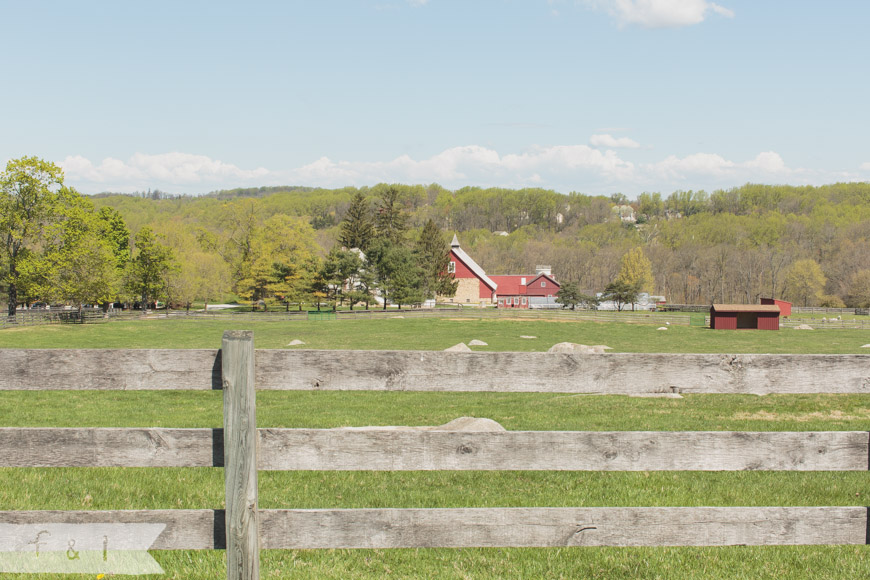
242	529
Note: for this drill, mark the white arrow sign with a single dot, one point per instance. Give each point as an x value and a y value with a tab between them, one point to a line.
79	548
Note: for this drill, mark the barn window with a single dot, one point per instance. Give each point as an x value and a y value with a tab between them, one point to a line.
451	268
543	284
516	300
524	301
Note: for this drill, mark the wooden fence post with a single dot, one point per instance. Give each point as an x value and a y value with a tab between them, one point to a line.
240	455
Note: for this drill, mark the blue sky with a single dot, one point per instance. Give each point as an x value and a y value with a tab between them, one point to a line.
593	96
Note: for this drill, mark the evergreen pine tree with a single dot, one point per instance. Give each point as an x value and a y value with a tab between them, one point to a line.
433	254
357	229
391	221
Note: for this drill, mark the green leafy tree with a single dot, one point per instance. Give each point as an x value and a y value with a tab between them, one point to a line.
28	203
568	295
150	267
621	294
114	230
805	282
859	289
635	269
340	271
82	257
650	204
434	259
397	272
357	229
282	244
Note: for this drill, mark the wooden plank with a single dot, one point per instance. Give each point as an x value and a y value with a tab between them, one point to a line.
554	527
110	447
109	369
387	450
185	529
392	450
495	527
620	373
240	455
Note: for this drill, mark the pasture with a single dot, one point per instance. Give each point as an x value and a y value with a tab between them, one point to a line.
132	488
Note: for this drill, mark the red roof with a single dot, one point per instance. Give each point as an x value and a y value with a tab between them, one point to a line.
511	285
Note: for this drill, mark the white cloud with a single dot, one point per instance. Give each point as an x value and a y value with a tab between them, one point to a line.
764	165
560	167
607	140
178	170
768	161
660	13
866	166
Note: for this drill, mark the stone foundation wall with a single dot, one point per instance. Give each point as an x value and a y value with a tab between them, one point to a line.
468	292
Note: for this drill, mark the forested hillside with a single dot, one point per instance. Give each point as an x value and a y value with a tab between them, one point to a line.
807	244
291	246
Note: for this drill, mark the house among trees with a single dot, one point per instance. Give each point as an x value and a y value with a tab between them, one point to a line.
515	291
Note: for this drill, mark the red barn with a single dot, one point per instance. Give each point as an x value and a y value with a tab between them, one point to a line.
510	291
784	307
523	291
474	285
737	316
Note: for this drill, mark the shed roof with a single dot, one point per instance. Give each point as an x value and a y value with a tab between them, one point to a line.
746	308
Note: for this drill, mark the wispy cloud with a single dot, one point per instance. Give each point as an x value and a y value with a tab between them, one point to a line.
659	13
607	140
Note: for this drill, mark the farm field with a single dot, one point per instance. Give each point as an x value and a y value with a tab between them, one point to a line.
437	334
115	488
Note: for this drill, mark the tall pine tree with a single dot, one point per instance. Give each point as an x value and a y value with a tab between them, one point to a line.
391	221
433	254
357	229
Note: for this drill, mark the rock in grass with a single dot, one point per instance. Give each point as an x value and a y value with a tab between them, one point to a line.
865	346
526	336
662	328
803	327
295	342
574	348
476	342
464	424
461	347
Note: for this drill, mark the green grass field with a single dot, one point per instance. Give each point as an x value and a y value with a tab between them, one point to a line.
437	334
115	488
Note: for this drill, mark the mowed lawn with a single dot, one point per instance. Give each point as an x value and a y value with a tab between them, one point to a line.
111	488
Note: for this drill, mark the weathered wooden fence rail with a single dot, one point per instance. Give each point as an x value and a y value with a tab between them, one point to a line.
242	449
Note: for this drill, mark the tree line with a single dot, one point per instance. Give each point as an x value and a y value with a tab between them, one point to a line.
810	245
61	248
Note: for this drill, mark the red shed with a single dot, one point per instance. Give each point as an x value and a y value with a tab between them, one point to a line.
734	316
784	307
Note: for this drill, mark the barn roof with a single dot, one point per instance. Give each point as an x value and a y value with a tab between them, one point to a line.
511	285
746	308
472	265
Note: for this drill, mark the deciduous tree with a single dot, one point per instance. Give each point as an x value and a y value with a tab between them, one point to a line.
805	282
635	269
28	203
